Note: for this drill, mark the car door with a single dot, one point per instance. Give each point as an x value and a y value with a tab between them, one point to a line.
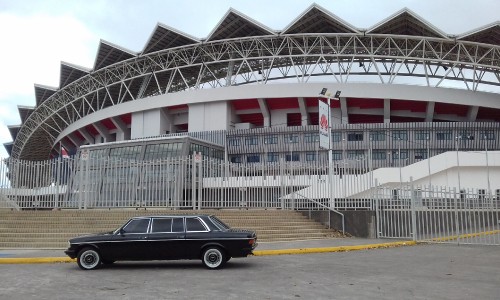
197	235
166	236
131	241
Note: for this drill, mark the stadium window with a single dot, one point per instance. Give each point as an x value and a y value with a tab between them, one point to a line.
270	139
421	154
395	154
400	135
272	157
355	154
336	136
377	136
233	141
291	138
355	136
293	157
311	137
466	135
236	159
253	158
251	141
444	135
379	155
336	155
422	135
310	156
488	135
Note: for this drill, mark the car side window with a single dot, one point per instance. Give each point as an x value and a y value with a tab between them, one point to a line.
177	225
162	225
137	226
194	224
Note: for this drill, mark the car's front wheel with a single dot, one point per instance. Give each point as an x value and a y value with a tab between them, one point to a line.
88	259
214	258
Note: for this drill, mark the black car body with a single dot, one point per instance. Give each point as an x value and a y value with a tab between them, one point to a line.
164	238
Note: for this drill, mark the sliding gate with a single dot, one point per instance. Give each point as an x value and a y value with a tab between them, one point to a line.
438	215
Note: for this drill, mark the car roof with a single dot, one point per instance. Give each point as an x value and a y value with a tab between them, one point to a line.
170	216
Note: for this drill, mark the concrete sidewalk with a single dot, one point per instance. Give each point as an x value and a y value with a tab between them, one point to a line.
27	256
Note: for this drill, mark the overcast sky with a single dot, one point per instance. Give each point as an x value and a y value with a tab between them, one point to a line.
37	35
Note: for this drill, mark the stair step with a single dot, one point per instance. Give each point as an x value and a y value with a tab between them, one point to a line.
52	229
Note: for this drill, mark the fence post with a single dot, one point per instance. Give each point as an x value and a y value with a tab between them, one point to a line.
456	215
377	212
413	212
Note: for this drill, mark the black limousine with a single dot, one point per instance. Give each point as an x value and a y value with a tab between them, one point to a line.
202	237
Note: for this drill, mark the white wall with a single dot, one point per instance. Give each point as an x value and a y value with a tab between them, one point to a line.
209	116
149	123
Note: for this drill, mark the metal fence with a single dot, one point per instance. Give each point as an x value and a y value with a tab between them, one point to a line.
184	183
438	214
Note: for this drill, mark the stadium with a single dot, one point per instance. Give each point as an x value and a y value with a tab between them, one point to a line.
247	97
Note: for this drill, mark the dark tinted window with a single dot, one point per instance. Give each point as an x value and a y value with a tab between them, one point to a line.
194	224
137	226
177	225
162	225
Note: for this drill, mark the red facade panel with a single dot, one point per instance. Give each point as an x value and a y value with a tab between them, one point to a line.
365	102
245	104
282	103
397	119
255	119
294	119
91	129
414	106
451	109
127	118
360	118
485	113
108	124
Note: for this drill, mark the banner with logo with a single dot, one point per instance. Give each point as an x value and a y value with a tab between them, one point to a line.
324	125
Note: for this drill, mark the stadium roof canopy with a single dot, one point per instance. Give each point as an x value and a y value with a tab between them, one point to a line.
174	61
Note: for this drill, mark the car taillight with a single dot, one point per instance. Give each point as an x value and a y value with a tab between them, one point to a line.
251	242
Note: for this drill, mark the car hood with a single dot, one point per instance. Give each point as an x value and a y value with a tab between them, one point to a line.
90	237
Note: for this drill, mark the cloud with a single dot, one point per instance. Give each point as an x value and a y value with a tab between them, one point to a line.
33	47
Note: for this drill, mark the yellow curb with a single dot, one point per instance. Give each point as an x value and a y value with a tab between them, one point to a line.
35	260
331	249
462	236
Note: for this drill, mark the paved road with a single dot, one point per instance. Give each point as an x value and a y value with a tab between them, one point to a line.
416	272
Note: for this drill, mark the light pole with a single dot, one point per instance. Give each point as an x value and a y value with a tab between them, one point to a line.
328	126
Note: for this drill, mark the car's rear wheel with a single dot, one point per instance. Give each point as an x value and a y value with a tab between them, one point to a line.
88	259
214	258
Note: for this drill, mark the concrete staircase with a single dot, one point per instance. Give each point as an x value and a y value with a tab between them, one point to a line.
52	229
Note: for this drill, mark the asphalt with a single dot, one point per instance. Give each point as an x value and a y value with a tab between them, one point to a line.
34	256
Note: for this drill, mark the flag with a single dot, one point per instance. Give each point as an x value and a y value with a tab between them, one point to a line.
64	153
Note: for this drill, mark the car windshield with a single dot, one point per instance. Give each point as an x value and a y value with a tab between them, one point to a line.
219	223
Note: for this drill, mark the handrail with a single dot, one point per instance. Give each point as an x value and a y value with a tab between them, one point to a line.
329	208
9	201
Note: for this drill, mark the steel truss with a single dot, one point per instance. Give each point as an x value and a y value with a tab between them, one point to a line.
258	60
